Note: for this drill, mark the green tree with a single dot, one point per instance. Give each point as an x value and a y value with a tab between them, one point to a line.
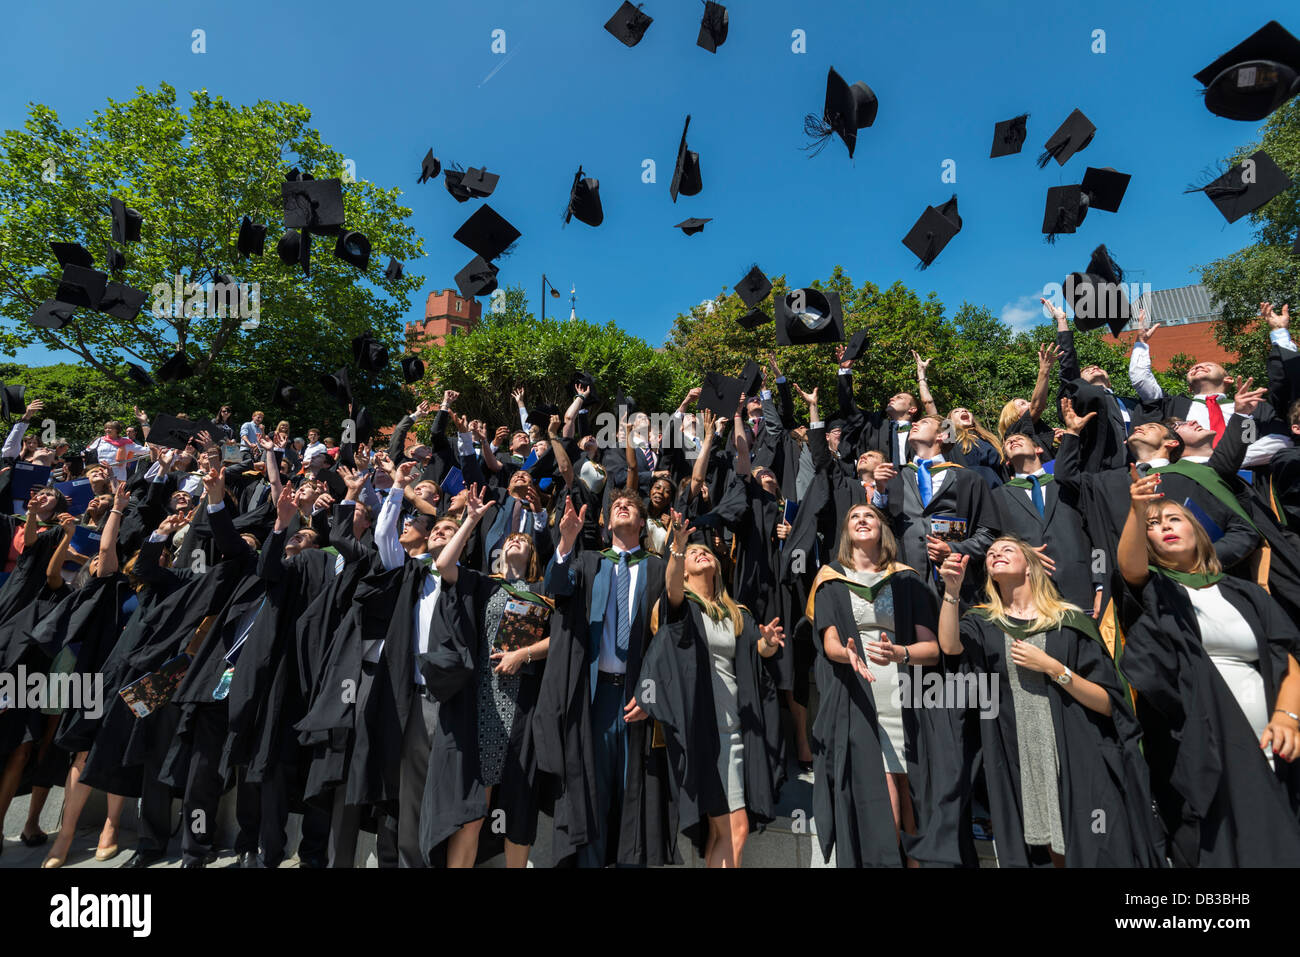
78	401
194	176
1268	270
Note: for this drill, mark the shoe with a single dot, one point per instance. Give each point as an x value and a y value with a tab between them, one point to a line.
143	858
210	858
51	862
194	863
315	863
106	853
34	841
250	859
805	772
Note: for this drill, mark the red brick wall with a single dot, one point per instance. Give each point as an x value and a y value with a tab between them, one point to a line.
1196	339
441	316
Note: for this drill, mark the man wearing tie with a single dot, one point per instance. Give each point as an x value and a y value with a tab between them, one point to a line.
613	592
886	431
520	510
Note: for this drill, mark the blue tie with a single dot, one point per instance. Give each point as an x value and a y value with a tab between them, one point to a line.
1128	425
623	585
924	482
1036	493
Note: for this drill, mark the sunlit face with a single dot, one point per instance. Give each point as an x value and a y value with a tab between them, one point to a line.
661	493
520	482
767	480
1149	435
700	561
42	501
903	403
867	463
1206	373
962	417
441	535
301	540
426	491
1171	536
110	430
1019	448
180	502
97	475
862	526
924	432
517	550
1095	375
1020	405
1006	562
1193	433
624	515
518	442
100	503
258	417
306	495
415	530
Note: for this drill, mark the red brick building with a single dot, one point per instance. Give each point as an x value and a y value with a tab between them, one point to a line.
446	313
1187	319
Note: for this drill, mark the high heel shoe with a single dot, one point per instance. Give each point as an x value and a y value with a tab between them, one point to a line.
106	853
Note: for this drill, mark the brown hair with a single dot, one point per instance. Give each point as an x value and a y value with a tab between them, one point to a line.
723	605
1207	562
966	436
533	572
888	544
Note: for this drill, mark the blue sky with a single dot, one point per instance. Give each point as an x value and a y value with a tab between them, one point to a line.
386	81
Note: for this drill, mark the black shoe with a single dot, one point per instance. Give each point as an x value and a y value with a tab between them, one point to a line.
250	859
36	841
199	862
210	858
143	858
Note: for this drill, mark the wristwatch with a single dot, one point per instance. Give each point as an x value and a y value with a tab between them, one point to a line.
1065	676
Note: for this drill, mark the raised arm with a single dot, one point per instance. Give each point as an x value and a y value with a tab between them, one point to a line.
563	464
1132	552
675	574
449	558
700	470
54	570
1065	343
952	572
922	386
1048	353
740	436
1139	363
108	563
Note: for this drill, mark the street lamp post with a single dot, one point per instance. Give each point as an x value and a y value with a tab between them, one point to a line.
554	292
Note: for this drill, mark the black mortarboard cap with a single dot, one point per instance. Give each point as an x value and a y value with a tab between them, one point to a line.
720	393
540	415
116	260
629	24
52	314
429	167
1009	136
12	400
172	432
1072	136
1097	295
933	231
122	301
295	247
693	225
479	182
252	238
478	278
754	287
338	385
394	270
72	254
1255	77
584	200
1105	187
847	110
805	316
315	205
370	354
177	367
79	286
486	232
365	425
856	344
751	377
354	248
1235	196
624	402
686	174
126	221
284	393
452	180
713	27
412	369
140	375
1065	210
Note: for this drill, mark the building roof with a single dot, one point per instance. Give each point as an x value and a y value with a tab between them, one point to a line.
1177	306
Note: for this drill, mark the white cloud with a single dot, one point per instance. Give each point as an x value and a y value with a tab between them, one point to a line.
1025	313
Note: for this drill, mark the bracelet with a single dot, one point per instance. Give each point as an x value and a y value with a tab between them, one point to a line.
1290	714
952	601
679	554
907	655
116	511
529	659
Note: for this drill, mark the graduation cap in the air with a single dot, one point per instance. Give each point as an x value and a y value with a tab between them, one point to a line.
1067	206
354	248
720	393
116	260
172	432
80	286
284	393
313	204
751	378
1009	136
752	289
370	354
686	174
1255	77
121	301
693	225
847	110
429	167
412	369
451	178
72	254
394	270
713	27
469	184
580	378
52	314
1097	295
805	316
140	375
486	232
933	231
629	24
478	278
365	424
1246	187
584	200
1072	136
12	400
252	238
176	367
295	247
624	402
126	221
338	385
856	344
1105	187
540	415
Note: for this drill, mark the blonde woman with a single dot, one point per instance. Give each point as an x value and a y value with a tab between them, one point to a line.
976	447
873	622
1213	662
1025	415
1059	742
700	681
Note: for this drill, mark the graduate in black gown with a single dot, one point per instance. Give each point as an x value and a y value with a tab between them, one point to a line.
1214	665
1066	782
701	682
483	763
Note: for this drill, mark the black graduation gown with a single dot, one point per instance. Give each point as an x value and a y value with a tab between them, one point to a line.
1100	762
454	793
676	689
850	797
95	623
1221	805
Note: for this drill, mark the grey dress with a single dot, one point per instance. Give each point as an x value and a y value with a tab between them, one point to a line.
497	695
1040	765
721	636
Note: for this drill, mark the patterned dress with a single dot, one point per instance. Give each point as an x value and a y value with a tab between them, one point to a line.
497	695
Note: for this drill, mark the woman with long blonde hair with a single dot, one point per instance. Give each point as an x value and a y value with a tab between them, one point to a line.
975	447
1058	738
1215	664
699	680
1026	415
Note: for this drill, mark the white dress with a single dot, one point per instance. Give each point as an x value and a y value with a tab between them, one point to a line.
873	617
1231	645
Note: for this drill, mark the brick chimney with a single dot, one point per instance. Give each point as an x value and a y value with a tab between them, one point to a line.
446	313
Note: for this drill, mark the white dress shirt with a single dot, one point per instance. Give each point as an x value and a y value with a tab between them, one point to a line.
607	660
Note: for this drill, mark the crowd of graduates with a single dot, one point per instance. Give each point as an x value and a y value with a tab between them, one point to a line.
1080	642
